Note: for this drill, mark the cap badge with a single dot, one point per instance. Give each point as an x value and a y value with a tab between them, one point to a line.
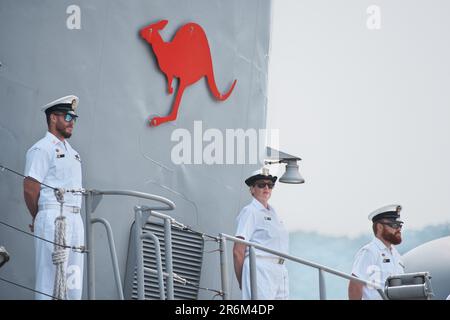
74	104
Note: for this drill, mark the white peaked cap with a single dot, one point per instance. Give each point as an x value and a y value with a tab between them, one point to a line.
260	174
67	103
391	211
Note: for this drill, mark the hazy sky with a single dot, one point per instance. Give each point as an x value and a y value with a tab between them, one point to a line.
366	108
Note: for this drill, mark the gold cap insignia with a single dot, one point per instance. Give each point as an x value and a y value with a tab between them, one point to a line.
74	104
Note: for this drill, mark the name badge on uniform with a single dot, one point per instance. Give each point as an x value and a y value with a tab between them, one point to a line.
58	154
267	218
386	260
77	156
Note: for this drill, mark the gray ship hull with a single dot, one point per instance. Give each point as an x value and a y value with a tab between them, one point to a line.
47	53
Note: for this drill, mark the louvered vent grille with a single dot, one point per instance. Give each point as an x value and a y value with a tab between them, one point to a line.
187	256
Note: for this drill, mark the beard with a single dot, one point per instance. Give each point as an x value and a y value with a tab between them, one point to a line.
63	132
394	238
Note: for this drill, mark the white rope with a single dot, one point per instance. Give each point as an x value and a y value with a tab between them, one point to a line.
59	257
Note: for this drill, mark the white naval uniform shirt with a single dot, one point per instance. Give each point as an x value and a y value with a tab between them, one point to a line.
260	225
375	262
56	164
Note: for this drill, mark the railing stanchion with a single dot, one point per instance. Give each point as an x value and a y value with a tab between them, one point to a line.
253	278
139	253
90	274
322	288
168	255
224	267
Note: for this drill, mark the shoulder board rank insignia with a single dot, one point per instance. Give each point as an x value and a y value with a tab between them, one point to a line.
77	156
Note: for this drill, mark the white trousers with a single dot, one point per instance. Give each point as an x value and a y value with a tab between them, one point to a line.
271	278
44	227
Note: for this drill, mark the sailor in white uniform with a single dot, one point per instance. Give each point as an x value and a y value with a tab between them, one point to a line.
258	222
378	259
54	162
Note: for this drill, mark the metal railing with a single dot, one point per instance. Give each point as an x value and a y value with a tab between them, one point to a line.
142	214
93	198
252	264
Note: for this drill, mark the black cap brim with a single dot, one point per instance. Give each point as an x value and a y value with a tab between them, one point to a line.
251	181
62	107
391	215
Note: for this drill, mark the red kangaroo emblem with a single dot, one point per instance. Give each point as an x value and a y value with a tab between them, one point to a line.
186	57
